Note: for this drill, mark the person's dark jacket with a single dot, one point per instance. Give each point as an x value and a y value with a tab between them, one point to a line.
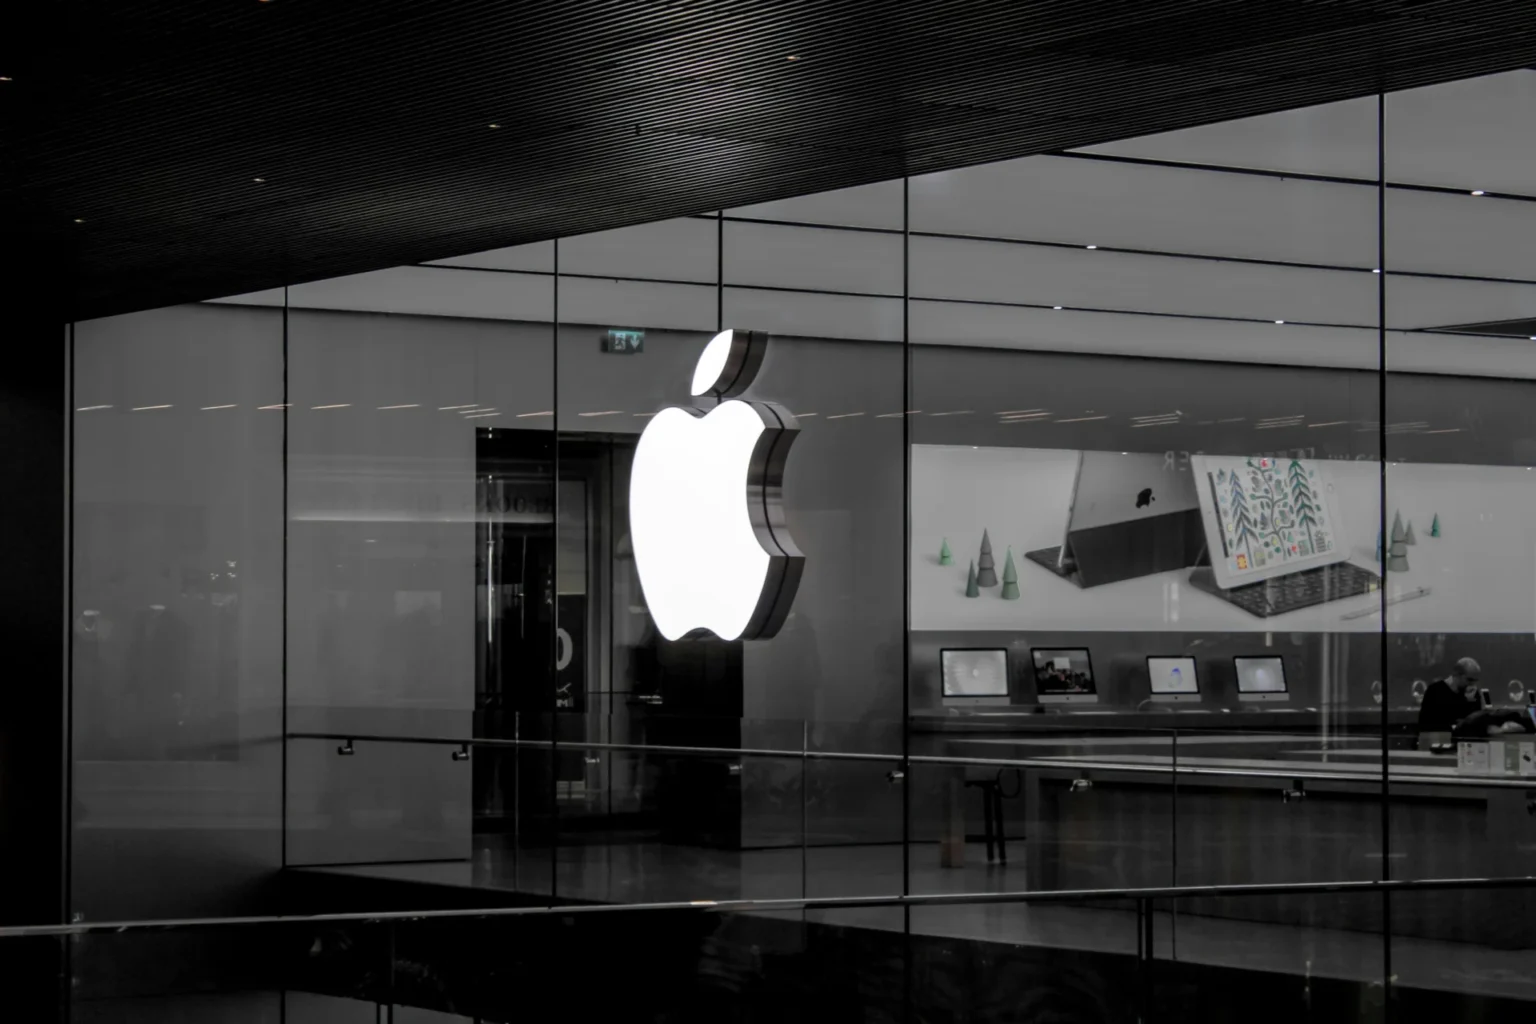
1443	707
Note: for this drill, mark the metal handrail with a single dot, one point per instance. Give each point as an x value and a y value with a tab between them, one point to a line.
1059	763
795	903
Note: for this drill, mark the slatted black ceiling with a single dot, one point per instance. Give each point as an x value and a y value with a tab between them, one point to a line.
132	134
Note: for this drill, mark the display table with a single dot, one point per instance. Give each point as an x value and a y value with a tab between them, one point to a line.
1108	811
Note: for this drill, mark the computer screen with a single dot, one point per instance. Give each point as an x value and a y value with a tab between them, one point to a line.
1261	678
974	673
1266	517
1173	675
1063	674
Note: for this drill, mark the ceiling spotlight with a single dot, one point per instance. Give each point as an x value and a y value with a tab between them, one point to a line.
1533	337
1477	192
79	220
1375	270
791	58
259	181
1055	307
1092	247
493	126
1279	321
5	78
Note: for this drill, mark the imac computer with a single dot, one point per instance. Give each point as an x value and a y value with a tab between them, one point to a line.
1261	679
974	677
1173	680
1063	675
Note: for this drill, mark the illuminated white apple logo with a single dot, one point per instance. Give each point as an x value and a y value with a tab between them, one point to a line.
705	519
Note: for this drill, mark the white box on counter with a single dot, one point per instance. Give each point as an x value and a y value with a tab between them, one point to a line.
1513	755
1472	757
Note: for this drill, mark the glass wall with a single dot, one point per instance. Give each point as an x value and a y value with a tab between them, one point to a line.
1460	311
1146	494
176	623
1148	377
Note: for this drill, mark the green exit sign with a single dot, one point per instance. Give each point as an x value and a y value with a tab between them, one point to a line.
625	343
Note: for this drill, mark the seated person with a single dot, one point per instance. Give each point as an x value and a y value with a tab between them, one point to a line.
1448	701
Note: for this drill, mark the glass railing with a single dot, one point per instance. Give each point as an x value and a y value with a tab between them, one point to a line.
1370	951
587	808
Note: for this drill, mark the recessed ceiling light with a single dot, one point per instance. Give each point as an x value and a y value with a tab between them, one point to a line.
1477	192
1092	247
1533	337
5	78
79	220
259	180
1055	307
1375	270
493	126
791	58
1279	321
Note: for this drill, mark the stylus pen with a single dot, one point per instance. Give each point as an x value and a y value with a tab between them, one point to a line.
1399	599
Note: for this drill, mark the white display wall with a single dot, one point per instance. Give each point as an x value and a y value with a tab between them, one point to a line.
1479	572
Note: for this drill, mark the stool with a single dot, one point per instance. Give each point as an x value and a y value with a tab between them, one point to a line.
992	814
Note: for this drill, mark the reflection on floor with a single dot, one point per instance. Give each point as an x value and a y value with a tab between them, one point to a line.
648	872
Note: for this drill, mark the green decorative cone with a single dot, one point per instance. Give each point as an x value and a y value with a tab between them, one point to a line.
945	558
971	589
986	569
1409	538
1397	555
1434	527
1010	579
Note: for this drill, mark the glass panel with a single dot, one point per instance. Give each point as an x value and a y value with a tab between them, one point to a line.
728	823
1144	504
1319	956
1311	953
176	626
631	825
1461	312
420	568
829	300
1465	953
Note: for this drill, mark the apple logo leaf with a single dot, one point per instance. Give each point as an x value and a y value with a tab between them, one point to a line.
706	515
